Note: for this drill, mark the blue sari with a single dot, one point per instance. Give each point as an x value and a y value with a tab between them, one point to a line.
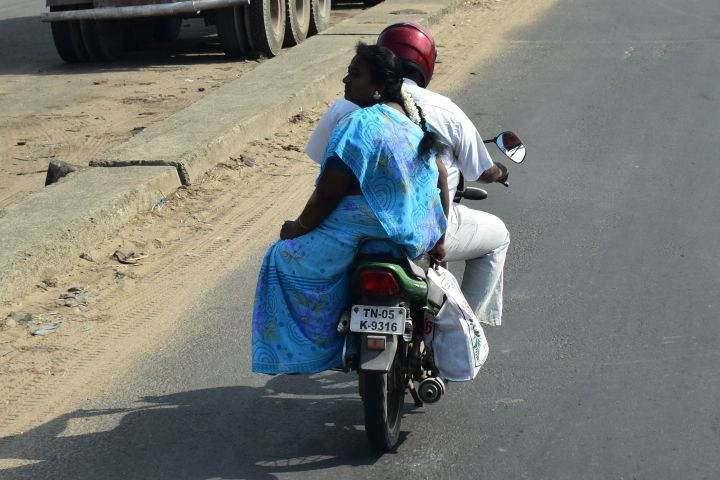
303	284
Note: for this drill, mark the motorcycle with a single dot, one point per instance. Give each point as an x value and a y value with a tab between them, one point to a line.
384	327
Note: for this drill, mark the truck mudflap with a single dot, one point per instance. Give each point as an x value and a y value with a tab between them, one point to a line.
140	11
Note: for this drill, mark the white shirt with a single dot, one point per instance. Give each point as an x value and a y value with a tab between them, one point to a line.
454	128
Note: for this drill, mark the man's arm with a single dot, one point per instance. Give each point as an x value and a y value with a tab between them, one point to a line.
320	136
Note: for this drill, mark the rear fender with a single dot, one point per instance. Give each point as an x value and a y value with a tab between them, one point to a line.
375	360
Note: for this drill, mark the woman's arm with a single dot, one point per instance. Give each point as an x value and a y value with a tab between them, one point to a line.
438	252
331	188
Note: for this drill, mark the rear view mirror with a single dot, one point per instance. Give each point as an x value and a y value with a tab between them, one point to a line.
511	145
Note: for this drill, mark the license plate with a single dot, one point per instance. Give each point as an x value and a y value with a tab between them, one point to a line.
374	319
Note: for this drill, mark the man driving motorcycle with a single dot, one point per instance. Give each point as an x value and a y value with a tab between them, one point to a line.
478	238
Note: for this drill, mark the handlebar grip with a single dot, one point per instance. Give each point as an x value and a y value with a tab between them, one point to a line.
474	193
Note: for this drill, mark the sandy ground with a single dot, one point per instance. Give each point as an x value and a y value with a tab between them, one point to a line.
182	247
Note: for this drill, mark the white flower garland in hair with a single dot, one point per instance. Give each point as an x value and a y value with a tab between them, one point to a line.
409	106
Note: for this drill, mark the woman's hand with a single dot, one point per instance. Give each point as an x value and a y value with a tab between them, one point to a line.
438	252
291	229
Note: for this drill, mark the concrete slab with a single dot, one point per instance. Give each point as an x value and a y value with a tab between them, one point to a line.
51	228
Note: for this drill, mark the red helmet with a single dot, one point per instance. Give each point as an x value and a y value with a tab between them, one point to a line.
414	44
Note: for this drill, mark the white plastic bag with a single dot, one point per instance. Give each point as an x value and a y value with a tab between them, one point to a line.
454	336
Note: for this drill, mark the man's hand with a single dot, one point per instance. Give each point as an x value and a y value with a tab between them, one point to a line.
291	229
497	173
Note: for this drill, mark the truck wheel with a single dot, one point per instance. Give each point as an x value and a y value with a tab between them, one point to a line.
68	39
110	38
230	24
166	29
320	16
91	39
103	39
266	21
298	22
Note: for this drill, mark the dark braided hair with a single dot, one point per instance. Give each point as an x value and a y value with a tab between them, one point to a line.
388	70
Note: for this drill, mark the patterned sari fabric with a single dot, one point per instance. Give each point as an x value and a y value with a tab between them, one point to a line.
303	283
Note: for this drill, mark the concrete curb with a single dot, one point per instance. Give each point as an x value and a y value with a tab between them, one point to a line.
48	230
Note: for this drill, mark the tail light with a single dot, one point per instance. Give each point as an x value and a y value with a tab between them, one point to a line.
379	283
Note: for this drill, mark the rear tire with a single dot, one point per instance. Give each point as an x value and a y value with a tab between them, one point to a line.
319	16
383	399
167	29
298	22
68	38
266	19
110	37
266	22
91	39
230	23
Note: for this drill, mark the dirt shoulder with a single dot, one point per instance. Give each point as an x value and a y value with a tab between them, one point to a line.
116	311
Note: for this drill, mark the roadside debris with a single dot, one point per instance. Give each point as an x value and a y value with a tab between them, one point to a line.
58	169
74	297
122	272
45	328
244	160
35	324
11	320
128	258
160	204
100	82
86	256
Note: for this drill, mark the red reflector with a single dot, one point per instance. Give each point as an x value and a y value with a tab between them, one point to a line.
379	283
375	342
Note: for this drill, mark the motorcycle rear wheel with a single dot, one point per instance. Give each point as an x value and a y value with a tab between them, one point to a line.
384	395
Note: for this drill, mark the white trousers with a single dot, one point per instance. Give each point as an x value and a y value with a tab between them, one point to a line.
481	240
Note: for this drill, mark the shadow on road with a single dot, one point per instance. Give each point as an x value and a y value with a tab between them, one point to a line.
293	424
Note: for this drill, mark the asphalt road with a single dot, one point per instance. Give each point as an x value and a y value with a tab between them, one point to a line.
605	367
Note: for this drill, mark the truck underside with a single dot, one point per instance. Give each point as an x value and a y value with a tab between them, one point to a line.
105	29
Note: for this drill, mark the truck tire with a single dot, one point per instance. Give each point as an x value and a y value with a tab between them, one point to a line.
68	39
166	29
91	39
111	38
298	22
230	23
103	39
266	22
320	16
